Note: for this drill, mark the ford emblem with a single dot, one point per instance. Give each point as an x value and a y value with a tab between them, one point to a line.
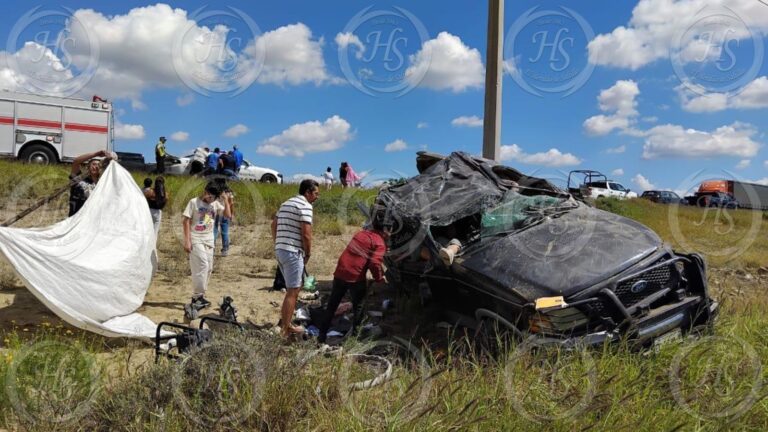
639	286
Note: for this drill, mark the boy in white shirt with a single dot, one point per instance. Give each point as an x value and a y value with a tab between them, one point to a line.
198	222
328	178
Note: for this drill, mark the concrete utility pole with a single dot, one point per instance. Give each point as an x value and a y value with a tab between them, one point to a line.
493	77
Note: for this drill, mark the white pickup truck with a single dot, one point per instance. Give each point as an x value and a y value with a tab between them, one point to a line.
608	189
594	185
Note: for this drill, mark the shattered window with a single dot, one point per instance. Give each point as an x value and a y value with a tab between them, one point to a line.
516	211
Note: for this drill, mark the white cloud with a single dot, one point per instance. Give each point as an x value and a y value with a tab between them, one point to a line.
763	181
551	158
35	61
136	52
396	146
642	182
180	136
753	96
617	150
446	63
657	25
309	137
619	101
618	172
343	40
129	131
297	178
292	57
465	121
675	141
510	67
744	163
422	125
185	100
236	131
650	119
765	164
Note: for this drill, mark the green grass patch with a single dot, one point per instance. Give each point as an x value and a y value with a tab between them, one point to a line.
21	183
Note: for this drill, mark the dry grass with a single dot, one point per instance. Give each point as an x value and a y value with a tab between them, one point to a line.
733	238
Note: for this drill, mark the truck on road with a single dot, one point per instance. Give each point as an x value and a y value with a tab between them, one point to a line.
49	129
744	195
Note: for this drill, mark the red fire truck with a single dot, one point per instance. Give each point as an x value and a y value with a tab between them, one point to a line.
48	129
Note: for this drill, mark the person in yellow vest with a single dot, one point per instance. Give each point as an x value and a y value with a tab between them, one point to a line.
160	155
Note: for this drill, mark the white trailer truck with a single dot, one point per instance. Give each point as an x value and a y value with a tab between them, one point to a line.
48	129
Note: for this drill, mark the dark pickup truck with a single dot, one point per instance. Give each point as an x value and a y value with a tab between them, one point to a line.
134	162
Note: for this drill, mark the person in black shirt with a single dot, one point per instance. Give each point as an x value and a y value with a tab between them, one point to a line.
228	165
80	191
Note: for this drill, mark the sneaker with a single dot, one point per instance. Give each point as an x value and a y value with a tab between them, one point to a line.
447	256
224	252
200	302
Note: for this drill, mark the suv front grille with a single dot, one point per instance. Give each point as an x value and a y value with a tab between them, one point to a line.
656	279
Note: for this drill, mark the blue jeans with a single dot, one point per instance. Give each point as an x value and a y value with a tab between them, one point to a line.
230	174
224	223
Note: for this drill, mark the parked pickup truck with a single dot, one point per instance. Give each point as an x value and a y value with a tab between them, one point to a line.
596	185
134	162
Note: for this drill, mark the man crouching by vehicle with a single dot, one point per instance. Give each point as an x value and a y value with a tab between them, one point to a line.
364	252
292	233
198	221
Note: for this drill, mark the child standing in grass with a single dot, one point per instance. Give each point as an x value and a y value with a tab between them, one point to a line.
198	221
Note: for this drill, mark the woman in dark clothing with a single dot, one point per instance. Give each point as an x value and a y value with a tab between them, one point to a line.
343	174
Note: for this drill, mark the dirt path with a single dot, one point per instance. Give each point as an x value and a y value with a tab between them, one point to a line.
246	274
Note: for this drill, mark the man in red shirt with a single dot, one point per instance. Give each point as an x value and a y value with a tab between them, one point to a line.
364	252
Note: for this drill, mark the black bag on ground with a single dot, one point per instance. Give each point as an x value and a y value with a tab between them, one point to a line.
190	340
279	282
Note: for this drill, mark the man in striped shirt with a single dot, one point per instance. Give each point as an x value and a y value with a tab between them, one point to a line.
292	233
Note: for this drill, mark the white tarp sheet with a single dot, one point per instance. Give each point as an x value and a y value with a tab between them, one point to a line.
94	268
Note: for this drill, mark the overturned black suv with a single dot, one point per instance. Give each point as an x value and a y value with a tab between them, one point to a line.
535	261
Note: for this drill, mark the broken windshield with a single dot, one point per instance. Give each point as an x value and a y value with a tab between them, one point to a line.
516	212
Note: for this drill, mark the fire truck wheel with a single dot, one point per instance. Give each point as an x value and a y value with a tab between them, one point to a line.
38	154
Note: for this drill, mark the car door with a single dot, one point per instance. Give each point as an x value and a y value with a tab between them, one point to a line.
617	190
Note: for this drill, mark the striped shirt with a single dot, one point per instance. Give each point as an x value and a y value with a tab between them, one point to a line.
292	214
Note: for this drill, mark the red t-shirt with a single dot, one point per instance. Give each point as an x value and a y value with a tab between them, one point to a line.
364	252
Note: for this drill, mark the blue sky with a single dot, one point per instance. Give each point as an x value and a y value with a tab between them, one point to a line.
655	93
